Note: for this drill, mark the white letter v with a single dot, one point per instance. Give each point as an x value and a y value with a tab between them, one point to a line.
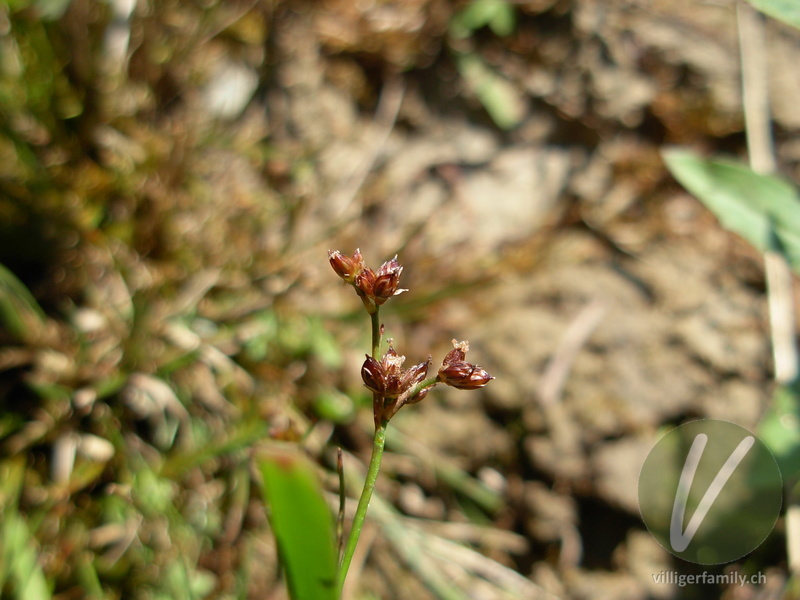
680	539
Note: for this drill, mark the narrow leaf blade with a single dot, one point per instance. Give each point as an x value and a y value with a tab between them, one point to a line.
787	11
20	314
302	523
764	210
780	430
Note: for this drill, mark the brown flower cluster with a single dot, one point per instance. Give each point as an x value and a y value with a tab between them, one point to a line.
373	288
393	386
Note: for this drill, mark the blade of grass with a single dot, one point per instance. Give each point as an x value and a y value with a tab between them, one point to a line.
787	11
87	575
763	209
19	312
19	560
19	553
301	521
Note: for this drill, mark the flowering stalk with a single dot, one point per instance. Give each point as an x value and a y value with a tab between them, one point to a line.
391	385
378	443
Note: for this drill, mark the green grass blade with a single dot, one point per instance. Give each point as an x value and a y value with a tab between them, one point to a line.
764	210
23	565
787	11
88	577
19	312
19	561
302	523
498	96
780	432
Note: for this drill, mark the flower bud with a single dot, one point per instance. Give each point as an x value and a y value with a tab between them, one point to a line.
414	375
346	267
387	281
478	378
373	288
459	353
458	373
365	282
373	375
464	376
392	365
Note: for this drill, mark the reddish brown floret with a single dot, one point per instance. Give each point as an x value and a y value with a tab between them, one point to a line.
373	375
458	373
387	281
346	267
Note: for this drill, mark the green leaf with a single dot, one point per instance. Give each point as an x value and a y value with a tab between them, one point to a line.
301	521
323	344
504	20
19	552
497	14
780	430
52	10
764	210
88	577
332	405
499	97
787	11
19	312
19	560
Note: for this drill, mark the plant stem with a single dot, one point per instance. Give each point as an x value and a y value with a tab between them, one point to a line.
376	333
340	517
430	382
363	502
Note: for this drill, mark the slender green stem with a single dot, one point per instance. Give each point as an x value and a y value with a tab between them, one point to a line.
429	382
363	502
378	444
376	333
340	517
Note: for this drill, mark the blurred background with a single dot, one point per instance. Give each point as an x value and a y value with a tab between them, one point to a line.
172	175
